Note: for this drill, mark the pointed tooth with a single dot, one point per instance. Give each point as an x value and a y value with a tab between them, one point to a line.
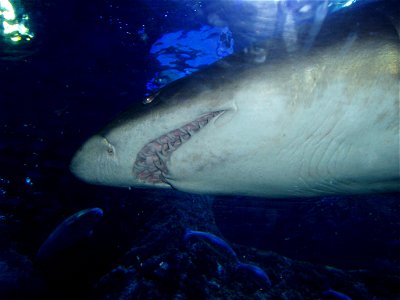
202	122
149	159
147	150
164	150
141	156
163	140
177	132
171	137
163	156
185	137
192	127
160	165
140	163
152	168
171	147
177	142
155	159
155	146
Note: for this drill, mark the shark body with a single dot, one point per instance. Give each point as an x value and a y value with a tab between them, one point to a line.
319	123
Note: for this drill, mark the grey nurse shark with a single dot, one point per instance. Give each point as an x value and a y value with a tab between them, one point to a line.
314	123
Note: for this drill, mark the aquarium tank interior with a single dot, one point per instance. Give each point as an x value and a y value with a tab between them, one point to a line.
208	149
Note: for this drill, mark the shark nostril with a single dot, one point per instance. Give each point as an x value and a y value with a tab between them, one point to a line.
157	152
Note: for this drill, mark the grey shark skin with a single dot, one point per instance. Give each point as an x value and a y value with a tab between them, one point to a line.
322	123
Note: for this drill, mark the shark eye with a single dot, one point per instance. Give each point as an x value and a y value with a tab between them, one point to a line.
110	148
150	98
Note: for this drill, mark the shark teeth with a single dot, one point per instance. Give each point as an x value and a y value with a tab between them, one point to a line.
150	165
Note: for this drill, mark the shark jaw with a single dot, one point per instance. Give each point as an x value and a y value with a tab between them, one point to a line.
151	162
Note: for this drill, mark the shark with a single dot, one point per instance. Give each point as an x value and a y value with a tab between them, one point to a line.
312	123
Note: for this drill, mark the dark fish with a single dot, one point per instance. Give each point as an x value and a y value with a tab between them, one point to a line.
332	294
69	232
213	240
256	272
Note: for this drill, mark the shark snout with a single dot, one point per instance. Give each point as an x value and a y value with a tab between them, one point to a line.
85	163
98	161
77	165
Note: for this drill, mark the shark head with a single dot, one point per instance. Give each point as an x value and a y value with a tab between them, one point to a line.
137	149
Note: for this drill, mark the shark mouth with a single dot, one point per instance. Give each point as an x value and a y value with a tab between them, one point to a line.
151	162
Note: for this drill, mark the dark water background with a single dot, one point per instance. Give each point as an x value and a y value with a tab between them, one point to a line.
89	62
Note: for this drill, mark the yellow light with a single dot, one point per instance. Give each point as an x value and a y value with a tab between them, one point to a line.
16	38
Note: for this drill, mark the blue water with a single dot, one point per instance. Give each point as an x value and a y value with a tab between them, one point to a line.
84	62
